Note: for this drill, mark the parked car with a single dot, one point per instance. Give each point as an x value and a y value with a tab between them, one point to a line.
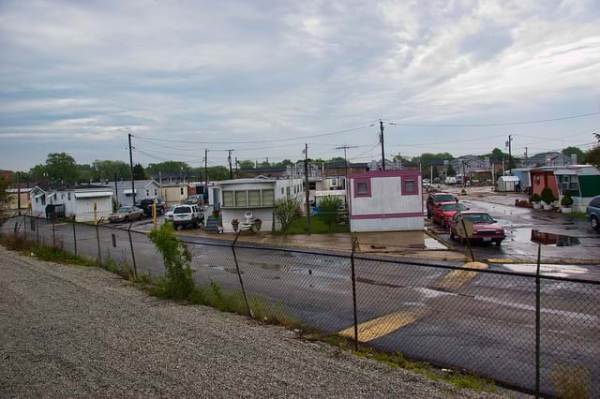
450	180
434	199
593	213
187	216
445	211
126	214
146	205
169	213
484	228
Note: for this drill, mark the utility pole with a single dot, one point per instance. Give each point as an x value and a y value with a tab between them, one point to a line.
345	148
510	154
526	158
18	195
229	160
464	176
306	188
116	191
382	146
129	135
431	174
237	173
206	174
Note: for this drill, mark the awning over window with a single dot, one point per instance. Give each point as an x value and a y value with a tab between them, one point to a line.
94	194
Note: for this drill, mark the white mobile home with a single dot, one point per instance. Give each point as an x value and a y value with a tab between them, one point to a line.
258	196
82	203
386	201
144	189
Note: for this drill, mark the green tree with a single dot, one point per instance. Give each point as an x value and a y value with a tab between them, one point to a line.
138	172
38	173
168	168
286	211
450	171
593	156
496	155
3	187
328	210
86	173
106	170
574	150
246	164
61	168
216	173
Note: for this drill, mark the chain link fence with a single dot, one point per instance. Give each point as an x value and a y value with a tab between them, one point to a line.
532	331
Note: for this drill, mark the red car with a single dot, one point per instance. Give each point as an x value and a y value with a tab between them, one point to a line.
445	211
434	199
481	227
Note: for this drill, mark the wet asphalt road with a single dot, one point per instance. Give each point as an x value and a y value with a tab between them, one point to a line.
484	323
518	224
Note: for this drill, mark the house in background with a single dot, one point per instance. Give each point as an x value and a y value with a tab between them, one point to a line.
86	203
173	194
144	189
256	195
386	201
553	158
582	182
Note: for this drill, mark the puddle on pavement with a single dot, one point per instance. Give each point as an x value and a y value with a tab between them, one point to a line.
432	243
549	239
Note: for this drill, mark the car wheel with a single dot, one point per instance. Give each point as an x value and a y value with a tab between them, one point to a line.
498	242
595	223
452	236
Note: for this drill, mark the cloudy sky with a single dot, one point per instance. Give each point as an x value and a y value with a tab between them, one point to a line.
264	77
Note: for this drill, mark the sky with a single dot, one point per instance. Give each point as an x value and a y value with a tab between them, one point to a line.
265	77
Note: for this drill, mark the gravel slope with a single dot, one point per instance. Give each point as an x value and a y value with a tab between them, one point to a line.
68	331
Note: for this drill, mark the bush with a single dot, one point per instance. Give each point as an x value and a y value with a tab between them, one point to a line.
566	201
286	211
178	283
548	196
535	198
329	209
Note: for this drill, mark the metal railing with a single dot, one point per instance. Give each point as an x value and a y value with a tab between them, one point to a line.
532	331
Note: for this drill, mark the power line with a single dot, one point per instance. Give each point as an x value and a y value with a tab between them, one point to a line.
529	122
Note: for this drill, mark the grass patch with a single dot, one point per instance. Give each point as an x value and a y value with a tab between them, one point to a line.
578	215
317	226
397	360
50	254
571	382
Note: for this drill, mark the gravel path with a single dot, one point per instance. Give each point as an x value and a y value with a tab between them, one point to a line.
69	331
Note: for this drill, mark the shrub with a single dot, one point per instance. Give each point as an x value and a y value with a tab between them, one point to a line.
566	201
286	211
178	283
535	198
548	196
328	210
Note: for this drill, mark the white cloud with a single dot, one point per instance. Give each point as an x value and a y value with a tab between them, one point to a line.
83	72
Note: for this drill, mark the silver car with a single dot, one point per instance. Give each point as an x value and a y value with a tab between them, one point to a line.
126	214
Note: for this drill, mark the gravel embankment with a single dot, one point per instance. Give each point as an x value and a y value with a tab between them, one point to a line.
68	331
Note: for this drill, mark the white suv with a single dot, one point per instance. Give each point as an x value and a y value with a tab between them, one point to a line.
187	215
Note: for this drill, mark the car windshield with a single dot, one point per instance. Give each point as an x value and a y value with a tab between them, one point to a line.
452	207
182	209
124	210
443	198
478	218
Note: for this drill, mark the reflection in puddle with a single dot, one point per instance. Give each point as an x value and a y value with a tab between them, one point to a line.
553	239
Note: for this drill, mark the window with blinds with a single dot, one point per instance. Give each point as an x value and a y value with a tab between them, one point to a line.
267	197
240	199
254	197
228	198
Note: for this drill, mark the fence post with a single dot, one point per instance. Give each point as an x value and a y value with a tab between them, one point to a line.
135	274
354	245
467	239
537	322
53	234
74	238
237	268
99	257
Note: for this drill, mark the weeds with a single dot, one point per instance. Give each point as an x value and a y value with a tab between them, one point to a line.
45	253
397	359
571	382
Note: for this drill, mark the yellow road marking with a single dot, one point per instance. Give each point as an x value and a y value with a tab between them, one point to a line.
459	278
375	328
